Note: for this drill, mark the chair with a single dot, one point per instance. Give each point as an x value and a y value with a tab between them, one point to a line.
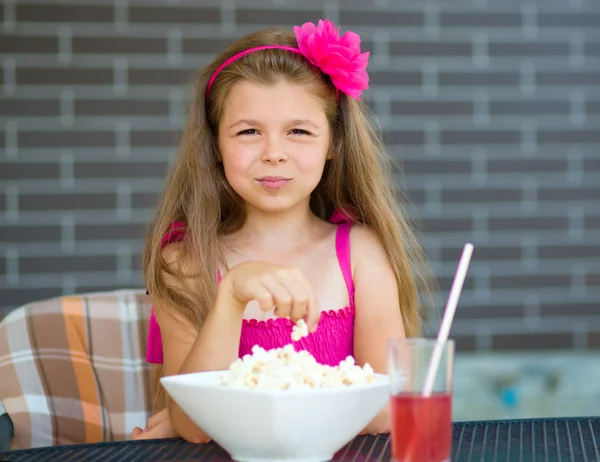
73	369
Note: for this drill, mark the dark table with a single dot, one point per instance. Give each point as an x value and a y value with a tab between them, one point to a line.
563	440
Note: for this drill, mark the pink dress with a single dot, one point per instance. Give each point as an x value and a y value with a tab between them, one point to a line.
333	340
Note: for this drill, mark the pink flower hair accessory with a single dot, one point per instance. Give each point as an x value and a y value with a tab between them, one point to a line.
338	57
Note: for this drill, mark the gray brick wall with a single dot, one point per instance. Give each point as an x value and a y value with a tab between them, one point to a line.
492	107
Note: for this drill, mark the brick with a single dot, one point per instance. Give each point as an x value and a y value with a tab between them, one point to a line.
40	12
480	137
532	341
593	339
440	225
569	194
464	343
29	171
521	281
481	195
276	18
144	200
590	165
593	282
570	309
67	264
564	19
136	263
10	234
109	287
18	107
394	78
435	166
154	138
205	45
579	77
529	107
573	136
63	76
414	196
119	45
13	298
452	19
174	15
446	282
437	108
440	49
27	44
378	19
592	107
529	224
591	49
528	49
527	166
65	138
568	251
107	169
119	107
484	253
478	78
592	222
404	137
75	201
117	231
489	312
161	76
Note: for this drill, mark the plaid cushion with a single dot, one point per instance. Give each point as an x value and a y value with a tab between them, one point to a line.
73	369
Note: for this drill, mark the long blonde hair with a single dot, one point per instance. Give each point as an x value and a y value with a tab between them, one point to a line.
357	178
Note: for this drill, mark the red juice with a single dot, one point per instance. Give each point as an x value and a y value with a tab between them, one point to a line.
421	427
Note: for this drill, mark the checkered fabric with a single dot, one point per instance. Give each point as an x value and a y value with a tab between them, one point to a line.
73	369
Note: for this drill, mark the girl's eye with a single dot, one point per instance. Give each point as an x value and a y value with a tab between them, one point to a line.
249	131
299	131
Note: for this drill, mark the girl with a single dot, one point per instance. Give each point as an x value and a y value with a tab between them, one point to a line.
278	208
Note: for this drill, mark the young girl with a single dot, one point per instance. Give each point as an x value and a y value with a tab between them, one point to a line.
278	208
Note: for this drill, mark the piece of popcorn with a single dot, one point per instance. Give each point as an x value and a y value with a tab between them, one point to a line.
299	330
287	369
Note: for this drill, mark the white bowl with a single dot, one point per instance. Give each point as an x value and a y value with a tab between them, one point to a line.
277	425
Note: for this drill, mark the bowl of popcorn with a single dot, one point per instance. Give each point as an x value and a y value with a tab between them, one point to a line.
281	404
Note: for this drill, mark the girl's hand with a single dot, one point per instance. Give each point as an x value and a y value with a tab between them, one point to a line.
274	286
158	426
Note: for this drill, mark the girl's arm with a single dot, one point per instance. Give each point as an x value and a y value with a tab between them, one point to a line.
378	317
186	350
216	345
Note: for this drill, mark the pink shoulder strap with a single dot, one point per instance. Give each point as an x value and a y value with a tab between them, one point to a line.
342	249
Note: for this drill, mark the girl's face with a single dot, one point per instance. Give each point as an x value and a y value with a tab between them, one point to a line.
274	142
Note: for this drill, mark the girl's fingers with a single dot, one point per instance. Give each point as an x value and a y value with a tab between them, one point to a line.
162	430
135	433
282	299
300	299
156	419
313	311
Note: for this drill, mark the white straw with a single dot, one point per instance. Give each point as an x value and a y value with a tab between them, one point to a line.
459	278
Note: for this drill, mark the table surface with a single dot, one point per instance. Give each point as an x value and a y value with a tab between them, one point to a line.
564	440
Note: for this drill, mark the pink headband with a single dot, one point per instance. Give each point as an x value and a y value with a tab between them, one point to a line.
338	57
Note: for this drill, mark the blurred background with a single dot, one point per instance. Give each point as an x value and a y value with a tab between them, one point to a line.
492	110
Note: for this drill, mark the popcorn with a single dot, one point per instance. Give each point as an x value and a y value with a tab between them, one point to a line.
288	369
299	330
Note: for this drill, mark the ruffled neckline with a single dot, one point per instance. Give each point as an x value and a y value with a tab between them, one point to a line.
345	312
